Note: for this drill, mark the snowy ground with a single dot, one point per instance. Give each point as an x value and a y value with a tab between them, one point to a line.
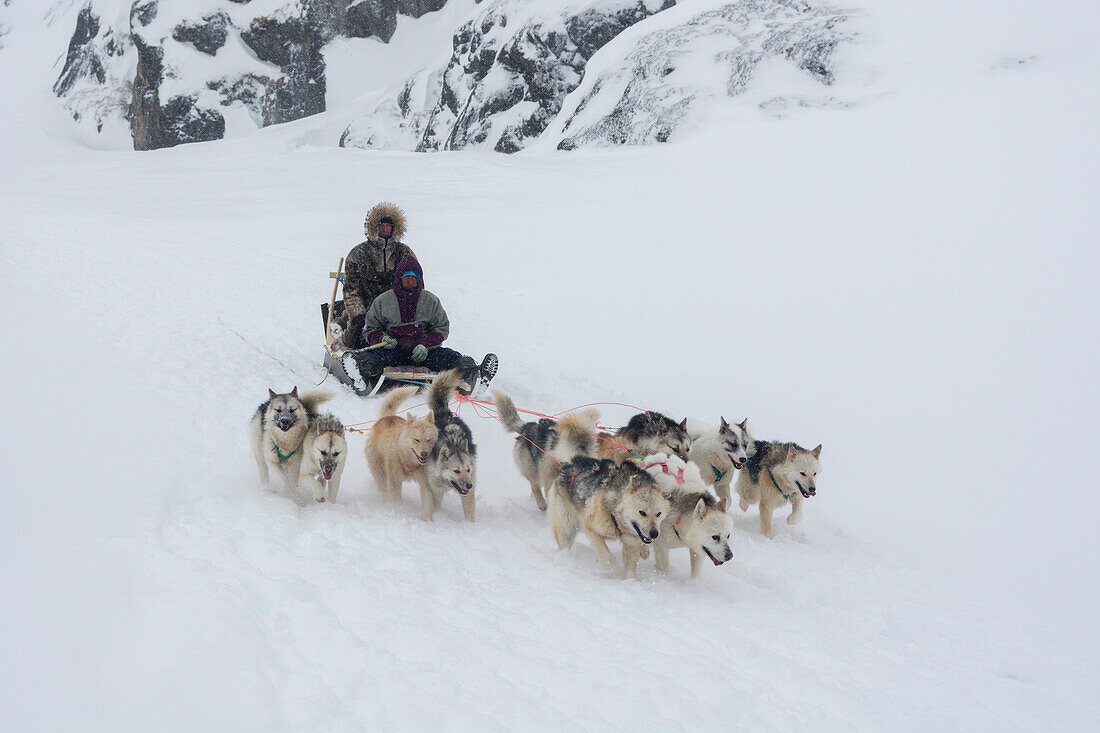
909	282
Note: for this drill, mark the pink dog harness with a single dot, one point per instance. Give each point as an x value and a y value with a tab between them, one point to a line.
664	467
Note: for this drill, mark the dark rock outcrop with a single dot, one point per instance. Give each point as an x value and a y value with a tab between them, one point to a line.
207	36
185	122
84	59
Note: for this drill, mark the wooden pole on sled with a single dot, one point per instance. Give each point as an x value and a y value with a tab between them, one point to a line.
332	303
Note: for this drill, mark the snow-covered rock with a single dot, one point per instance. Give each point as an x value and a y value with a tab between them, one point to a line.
512	66
178	71
507	73
643	97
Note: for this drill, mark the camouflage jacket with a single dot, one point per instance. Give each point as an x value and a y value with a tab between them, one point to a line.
368	272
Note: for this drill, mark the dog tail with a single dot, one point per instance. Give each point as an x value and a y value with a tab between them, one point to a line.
564	518
394	398
313	399
439	395
577	432
506	410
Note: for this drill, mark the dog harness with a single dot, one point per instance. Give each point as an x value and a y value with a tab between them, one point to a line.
776	485
280	453
718	474
676	531
616	525
664	467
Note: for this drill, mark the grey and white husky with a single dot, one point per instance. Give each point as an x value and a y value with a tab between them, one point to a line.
608	501
644	434
324	453
695	520
452	463
719	451
778	473
278	429
543	445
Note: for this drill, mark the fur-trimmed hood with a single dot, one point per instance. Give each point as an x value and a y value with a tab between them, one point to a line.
375	216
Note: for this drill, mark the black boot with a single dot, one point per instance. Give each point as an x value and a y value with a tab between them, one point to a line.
486	372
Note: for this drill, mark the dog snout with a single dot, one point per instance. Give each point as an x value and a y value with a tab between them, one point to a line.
469	486
729	555
653	534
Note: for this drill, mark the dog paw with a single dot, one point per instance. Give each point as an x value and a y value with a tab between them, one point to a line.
320	500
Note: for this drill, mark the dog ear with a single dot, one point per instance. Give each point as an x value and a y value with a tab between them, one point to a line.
294	392
684	424
724	427
271	392
817	451
744	424
790	451
700	508
724	504
431	418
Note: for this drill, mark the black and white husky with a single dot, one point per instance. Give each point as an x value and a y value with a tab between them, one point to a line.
645	434
718	452
452	464
278	429
543	445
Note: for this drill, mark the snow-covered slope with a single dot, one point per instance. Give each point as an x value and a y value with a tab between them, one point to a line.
908	282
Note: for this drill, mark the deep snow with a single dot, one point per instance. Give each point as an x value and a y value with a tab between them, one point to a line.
908	282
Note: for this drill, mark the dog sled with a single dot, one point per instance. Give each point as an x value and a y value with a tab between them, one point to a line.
390	377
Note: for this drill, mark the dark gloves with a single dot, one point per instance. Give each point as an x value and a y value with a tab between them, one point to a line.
408	335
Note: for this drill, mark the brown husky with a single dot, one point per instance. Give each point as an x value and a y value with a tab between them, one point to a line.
398	447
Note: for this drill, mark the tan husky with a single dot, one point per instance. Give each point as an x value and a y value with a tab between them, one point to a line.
398	447
324	452
609	502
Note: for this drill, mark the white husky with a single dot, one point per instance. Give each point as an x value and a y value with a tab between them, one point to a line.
324	452
277	431
695	520
719	451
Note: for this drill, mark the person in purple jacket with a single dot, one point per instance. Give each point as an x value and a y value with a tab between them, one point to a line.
412	325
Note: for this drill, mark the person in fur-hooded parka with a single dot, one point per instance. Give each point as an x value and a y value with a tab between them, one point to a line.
370	266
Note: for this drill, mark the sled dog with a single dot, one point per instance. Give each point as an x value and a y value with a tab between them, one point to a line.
277	430
778	473
397	447
607	501
644	434
543	445
324	452
718	452
452	463
695	520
